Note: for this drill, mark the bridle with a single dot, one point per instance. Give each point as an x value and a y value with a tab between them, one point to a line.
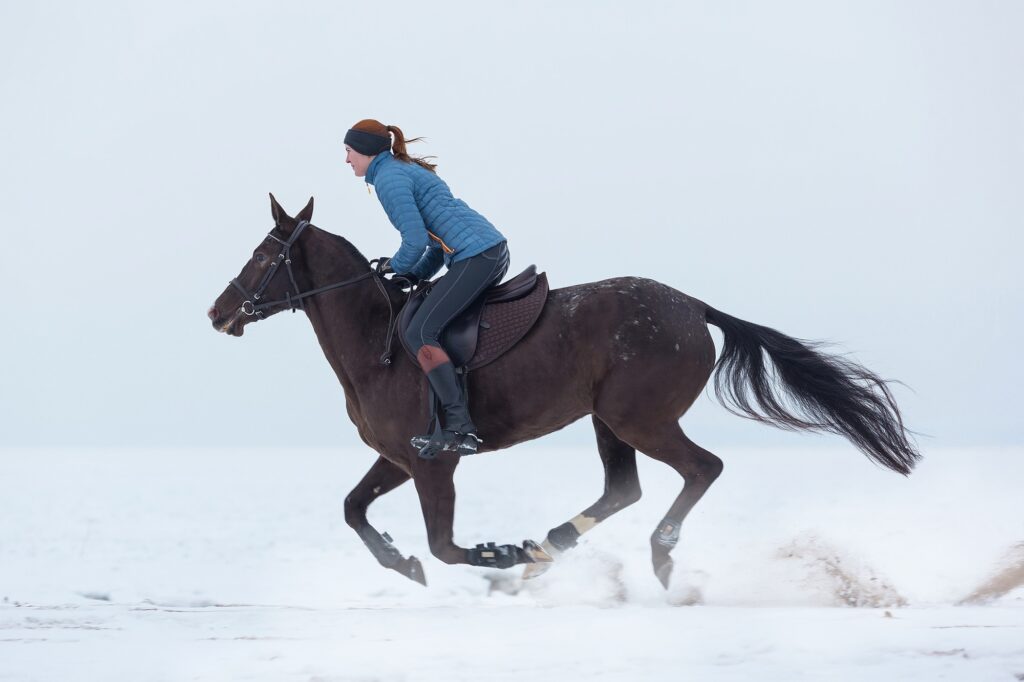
252	303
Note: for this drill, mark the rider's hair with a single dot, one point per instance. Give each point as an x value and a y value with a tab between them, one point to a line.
369	125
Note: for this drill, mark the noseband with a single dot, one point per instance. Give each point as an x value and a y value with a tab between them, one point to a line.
252	303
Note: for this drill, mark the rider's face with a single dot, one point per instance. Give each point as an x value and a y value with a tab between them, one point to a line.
359	162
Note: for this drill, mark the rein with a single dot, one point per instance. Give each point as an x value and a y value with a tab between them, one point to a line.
252	305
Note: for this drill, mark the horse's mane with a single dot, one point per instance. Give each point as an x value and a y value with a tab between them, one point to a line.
345	245
394	288
339	241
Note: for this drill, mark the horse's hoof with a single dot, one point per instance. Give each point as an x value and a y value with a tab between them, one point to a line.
536	553
535	570
663	569
412	569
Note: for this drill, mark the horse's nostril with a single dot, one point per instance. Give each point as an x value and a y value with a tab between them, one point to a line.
212	313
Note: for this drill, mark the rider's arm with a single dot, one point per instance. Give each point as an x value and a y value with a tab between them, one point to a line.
429	263
395	194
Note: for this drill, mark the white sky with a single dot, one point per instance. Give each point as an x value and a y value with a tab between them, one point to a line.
841	171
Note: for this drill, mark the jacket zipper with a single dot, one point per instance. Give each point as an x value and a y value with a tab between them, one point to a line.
444	247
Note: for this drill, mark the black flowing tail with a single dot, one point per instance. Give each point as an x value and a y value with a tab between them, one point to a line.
819	392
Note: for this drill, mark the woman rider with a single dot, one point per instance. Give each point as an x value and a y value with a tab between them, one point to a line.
436	228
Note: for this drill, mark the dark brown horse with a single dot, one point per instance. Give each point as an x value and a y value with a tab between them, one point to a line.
632	353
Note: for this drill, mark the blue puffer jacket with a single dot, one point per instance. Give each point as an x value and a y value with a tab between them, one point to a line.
436	227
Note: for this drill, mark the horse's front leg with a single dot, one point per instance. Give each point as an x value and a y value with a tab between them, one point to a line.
383	477
436	489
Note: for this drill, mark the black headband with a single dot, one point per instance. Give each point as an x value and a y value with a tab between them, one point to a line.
367	144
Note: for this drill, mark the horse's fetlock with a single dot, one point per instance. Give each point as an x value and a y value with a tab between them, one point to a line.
388	556
563	537
667	534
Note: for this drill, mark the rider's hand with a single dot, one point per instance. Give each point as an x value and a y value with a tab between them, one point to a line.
384	266
409	280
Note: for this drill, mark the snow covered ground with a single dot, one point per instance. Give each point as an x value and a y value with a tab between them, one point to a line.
237	565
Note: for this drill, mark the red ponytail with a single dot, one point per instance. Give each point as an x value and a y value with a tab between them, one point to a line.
370	125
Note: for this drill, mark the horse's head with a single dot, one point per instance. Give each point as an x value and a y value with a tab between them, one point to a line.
266	283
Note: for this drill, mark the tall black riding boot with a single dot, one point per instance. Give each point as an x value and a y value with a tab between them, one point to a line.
448	390
459	432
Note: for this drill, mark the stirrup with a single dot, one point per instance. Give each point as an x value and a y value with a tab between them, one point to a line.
461	444
468	444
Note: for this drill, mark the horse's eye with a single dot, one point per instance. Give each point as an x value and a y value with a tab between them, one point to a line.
260	258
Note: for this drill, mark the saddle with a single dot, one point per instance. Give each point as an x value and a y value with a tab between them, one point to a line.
492	325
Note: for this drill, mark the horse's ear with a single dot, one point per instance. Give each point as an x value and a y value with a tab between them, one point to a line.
306	213
276	211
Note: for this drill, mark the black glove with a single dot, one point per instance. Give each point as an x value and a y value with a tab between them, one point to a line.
383	266
409	280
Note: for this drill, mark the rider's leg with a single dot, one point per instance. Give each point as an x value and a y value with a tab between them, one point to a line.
440	372
450	295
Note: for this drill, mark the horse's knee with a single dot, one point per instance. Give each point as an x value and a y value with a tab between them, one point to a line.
618	498
355	512
627	494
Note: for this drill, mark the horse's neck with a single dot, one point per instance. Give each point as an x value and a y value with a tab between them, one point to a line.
350	322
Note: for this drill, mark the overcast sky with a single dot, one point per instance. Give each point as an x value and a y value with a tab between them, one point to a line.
844	171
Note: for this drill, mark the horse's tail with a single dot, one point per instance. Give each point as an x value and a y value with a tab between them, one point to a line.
819	392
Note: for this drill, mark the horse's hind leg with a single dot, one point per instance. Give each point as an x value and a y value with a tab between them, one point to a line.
699	469
621	489
383	477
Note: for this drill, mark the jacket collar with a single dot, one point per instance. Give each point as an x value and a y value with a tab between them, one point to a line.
371	170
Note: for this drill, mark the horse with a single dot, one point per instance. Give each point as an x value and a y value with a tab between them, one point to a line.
632	353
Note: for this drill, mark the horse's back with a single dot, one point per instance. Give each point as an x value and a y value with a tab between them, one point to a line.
633	301
639	335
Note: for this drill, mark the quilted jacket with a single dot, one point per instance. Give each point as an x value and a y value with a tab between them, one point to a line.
436	227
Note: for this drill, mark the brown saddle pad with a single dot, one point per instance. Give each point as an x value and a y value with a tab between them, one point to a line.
489	328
